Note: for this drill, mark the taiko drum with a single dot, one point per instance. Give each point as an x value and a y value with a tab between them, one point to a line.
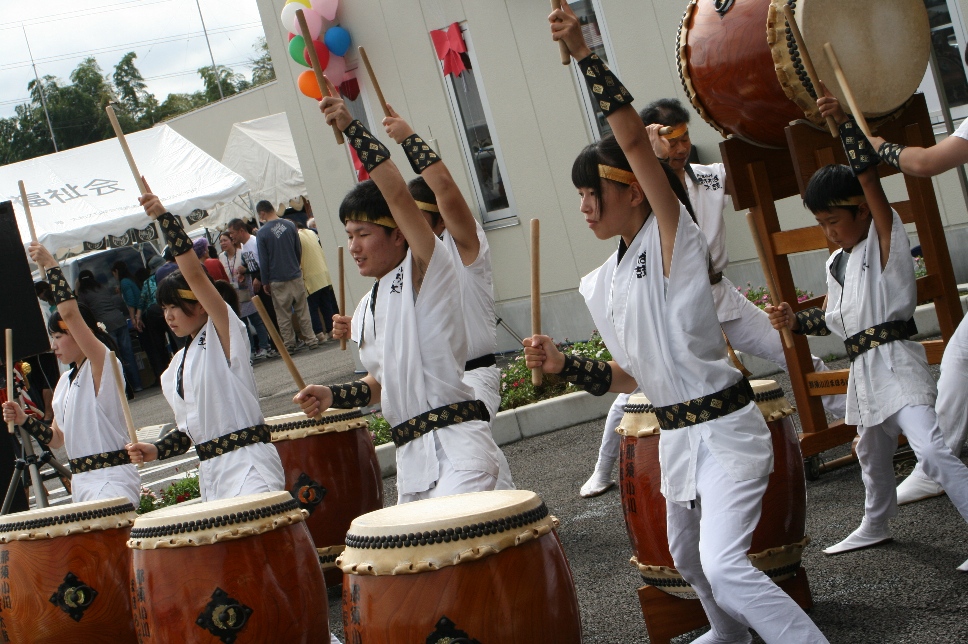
479	567
778	539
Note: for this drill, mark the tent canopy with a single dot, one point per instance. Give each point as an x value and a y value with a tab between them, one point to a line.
87	194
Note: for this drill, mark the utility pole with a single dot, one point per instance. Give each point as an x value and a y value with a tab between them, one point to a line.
218	79
40	88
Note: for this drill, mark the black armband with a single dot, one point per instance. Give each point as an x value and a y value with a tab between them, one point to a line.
594	376
178	240
419	153
812	321
368	148
59	287
890	153
174	443
604	85
38	430
351	395
860	152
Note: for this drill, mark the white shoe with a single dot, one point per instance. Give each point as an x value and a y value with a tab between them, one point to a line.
712	637
963	567
322	337
599	483
862	537
261	354
914	488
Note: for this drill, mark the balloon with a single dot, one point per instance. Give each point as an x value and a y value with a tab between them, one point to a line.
336	71
338	40
291	36
325	8
321	53
313	20
289	13
296	48
309	86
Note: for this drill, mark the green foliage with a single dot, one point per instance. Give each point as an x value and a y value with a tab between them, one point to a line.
230	82
148	502
262	69
759	296
379	429
920	270
180	491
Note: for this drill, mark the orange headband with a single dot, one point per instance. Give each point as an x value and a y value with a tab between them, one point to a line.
677	132
428	207
616	174
386	222
186	295
849	201
62	325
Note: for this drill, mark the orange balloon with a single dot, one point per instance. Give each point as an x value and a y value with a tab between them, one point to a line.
309	86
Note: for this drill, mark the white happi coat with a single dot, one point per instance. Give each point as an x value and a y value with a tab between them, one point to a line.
893	375
94	424
221	397
415	345
664	332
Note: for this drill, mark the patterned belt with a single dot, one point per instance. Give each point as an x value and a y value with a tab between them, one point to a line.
707	408
232	441
479	363
99	461
879	334
438	419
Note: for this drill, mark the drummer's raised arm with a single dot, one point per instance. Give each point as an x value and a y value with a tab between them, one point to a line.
924	162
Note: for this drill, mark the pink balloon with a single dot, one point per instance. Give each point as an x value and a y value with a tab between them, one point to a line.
325	8
336	71
313	20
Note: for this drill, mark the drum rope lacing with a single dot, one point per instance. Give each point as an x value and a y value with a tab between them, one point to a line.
225	520
73	517
312	422
450	534
795	57
762	396
678	582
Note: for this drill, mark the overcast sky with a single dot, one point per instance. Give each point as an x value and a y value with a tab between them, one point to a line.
166	34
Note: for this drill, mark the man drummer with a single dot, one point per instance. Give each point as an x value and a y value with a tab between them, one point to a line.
746	326
411	333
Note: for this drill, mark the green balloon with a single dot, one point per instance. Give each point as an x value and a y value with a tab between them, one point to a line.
296	47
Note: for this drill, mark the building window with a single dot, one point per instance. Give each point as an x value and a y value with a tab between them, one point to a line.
593	27
478	137
351	90
948	45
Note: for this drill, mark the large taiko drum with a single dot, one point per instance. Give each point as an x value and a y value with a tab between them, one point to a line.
742	70
64	573
236	570
333	473
479	567
778	540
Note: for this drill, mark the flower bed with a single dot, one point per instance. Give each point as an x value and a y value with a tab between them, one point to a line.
178	492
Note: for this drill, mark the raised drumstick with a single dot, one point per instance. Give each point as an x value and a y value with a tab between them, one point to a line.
373	80
281	346
807	61
845	88
119	381
317	70
9	363
562	47
342	292
770	284
30	219
536	376
124	148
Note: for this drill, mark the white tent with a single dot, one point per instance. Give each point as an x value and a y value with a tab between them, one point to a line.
86	198
263	152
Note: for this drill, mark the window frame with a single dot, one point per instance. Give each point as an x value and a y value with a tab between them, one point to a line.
589	110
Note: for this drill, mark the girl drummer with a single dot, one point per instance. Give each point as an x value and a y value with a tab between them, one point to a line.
662	330
88	416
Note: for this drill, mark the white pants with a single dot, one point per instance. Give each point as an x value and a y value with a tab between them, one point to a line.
709	544
952	405
486	382
875	451
451	481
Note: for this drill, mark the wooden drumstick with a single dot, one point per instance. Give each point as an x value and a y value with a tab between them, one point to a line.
665	130
768	275
845	88
536	375
807	62
562	47
8	337
317	70
281	346
373	80
124	148
342	292
30	219
119	382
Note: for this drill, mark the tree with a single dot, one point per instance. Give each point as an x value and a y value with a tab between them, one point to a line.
132	91
262	69
230	82
177	104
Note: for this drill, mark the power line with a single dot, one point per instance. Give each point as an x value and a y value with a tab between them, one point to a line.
68	15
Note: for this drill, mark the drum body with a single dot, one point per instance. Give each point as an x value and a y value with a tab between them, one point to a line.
480	567
237	570
333	473
744	74
64	573
778	539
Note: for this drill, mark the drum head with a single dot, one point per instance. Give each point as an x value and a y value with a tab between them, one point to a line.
883	47
639	419
64	520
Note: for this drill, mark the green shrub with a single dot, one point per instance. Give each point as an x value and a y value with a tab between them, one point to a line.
379	429
760	296
182	490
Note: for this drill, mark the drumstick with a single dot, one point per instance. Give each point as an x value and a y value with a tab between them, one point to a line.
30	220
342	293
665	130
562	47
536	376
9	362
281	346
124	148
119	381
770	284
807	62
373	80
314	59
848	95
